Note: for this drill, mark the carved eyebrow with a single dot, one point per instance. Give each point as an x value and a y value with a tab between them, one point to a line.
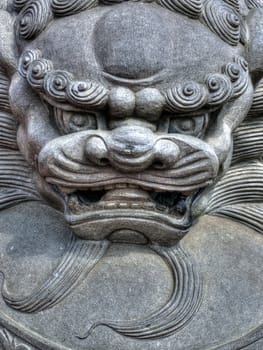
59	85
217	89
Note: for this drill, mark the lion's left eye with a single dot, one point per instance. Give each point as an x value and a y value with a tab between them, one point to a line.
82	122
194	126
69	122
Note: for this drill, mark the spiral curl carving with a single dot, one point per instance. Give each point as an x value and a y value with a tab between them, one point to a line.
26	59
254	4
238	74
187	97
222	20
55	84
58	84
190	96
90	93
219	87
190	8
111	2
34	18
70	7
234	3
222	17
37	72
19	4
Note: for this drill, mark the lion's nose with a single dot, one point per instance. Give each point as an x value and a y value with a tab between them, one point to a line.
131	149
96	151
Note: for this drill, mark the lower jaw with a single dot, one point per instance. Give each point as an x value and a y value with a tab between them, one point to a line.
129	226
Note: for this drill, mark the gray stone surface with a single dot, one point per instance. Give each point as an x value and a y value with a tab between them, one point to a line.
131	177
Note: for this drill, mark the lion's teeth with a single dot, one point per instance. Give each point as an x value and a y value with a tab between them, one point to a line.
120	186
123	205
136	205
133	186
110	205
66	190
96	189
109	187
148	205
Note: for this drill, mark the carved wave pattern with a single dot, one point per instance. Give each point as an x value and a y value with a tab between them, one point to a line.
79	259
239	195
10	341
248	140
16	185
8	128
184	302
257	105
15	172
242	183
4	87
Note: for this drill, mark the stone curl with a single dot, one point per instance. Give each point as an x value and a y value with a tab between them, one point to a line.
55	84
187	97
60	85
87	93
33	18
37	72
238	73
70	7
254	4
190	8
19	4
217	89
222	20
223	17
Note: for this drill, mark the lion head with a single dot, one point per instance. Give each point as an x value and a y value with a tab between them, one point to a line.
126	110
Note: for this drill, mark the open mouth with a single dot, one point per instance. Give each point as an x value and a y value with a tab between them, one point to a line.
125	210
127	197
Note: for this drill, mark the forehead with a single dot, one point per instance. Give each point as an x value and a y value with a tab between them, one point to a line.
134	44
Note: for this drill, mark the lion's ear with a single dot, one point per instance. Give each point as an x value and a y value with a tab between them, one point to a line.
8	48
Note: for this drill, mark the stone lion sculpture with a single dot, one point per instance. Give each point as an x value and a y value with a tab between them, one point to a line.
131	183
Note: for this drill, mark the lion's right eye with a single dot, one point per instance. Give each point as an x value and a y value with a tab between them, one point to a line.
69	122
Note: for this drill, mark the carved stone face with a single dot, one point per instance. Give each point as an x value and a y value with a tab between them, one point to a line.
130	117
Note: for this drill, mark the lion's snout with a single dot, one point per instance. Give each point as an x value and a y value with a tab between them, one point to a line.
131	149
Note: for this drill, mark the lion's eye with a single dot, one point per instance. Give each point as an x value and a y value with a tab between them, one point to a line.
69	122
194	126
82	122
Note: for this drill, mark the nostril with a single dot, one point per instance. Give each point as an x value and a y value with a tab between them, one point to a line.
104	161
158	164
166	154
96	151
